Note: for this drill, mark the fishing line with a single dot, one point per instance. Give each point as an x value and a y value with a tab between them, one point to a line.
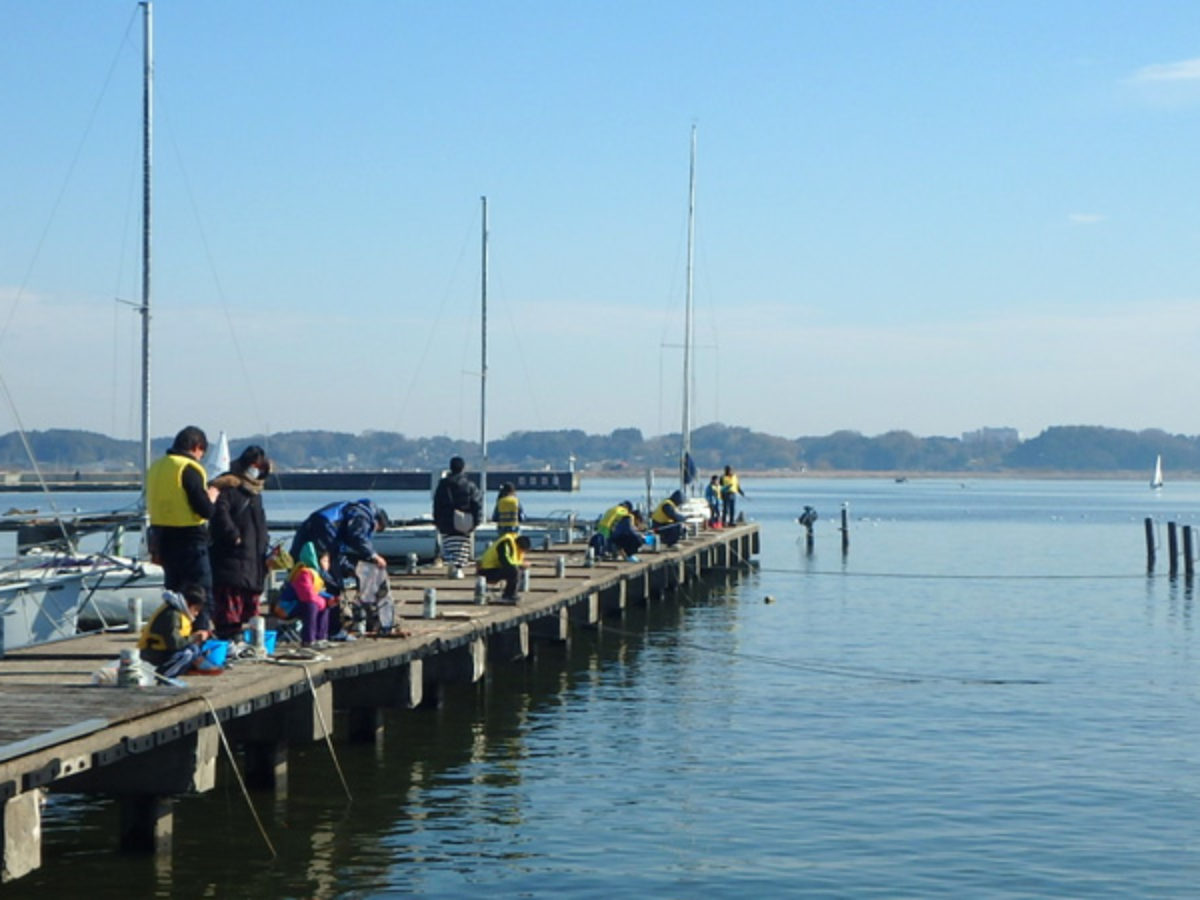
931	576
232	764
865	673
325	730
962	577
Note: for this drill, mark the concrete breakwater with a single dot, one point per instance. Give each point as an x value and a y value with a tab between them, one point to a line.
148	746
348	480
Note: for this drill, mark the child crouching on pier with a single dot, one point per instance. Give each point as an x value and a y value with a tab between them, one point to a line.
304	597
167	641
504	561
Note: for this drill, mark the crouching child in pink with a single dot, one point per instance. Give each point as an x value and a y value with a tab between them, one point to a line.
304	596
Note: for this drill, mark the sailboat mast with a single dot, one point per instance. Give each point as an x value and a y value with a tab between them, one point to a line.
688	326
147	161
483	447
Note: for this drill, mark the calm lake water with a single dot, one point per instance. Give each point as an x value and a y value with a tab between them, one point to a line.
986	697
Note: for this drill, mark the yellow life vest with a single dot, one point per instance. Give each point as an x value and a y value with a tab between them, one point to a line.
729	485
153	640
609	520
491	556
166	500
508	513
661	516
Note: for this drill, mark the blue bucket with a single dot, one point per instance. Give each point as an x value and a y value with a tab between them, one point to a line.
212	656
269	638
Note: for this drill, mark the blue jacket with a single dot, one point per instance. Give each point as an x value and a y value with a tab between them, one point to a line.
342	529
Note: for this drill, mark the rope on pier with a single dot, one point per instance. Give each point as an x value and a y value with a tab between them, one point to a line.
233	764
325	730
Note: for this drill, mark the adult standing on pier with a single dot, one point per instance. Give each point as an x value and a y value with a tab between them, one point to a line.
179	503
730	489
457	512
239	542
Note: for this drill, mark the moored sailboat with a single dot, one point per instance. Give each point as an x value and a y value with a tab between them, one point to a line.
1156	479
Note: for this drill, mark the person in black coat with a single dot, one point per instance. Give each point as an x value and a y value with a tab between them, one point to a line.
457	512
239	542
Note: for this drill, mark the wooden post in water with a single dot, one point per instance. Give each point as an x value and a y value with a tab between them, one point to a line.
845	528
1172	550
1149	544
1188	566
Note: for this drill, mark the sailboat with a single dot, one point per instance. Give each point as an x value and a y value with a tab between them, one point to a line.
694	507
1156	480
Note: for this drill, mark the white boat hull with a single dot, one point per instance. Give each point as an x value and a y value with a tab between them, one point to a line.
37	610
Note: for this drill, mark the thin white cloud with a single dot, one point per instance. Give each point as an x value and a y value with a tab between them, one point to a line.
1184	70
1086	218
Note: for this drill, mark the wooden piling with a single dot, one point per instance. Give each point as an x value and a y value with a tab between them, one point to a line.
1172	549
1188	564
1149	544
845	528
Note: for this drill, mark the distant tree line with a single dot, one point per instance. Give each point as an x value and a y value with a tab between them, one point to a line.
1079	449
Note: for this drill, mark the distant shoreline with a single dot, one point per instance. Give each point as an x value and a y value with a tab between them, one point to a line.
1028	475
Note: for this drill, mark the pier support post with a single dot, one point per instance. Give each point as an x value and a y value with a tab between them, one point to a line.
21	832
1172	549
845	528
554	627
637	589
509	645
266	765
147	823
364	725
1149	523
464	664
612	600
1189	567
587	610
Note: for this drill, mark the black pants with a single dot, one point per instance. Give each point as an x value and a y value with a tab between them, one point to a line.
510	575
669	534
184	555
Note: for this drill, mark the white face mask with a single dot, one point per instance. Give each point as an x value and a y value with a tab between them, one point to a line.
252	473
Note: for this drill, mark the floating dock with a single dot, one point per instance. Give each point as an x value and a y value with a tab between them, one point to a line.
148	746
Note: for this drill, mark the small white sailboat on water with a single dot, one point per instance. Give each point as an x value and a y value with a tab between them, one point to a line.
1156	480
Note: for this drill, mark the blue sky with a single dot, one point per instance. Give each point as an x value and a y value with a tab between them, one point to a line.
933	216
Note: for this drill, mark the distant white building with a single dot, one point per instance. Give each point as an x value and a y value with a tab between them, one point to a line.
1003	437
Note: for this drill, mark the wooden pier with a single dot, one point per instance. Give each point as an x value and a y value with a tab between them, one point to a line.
147	746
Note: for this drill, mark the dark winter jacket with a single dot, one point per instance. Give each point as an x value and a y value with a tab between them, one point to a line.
238	530
456	491
339	529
